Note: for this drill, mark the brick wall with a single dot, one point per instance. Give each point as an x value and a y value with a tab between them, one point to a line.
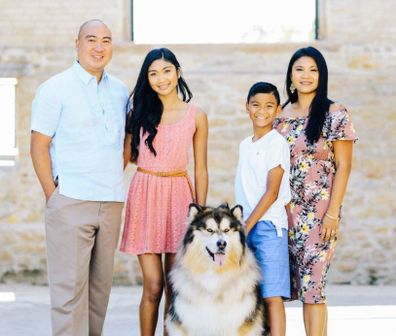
54	23
362	77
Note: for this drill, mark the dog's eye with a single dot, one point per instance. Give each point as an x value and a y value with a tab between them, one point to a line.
209	230
226	230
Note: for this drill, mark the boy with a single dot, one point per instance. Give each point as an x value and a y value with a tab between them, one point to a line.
262	188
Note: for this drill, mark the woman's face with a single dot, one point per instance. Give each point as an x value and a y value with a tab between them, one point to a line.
163	77
305	75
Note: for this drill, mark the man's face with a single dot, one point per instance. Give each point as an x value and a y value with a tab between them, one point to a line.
94	47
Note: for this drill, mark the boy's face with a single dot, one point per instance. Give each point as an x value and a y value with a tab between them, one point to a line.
262	109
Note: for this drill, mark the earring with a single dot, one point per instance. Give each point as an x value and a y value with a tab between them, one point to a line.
292	88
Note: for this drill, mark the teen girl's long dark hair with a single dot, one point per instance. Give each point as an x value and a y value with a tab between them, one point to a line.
320	104
147	108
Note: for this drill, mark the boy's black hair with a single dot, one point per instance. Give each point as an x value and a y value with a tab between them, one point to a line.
263	87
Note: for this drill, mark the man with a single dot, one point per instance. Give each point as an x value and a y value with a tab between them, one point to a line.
78	121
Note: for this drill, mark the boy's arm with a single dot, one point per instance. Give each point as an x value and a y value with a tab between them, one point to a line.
273	184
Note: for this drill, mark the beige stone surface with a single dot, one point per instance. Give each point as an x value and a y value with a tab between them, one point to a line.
359	47
353	310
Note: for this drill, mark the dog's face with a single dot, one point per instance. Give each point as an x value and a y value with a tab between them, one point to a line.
215	237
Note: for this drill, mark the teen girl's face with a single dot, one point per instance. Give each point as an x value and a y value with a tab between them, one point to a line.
305	75
262	109
162	77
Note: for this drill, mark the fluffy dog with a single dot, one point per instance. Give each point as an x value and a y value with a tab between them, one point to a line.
215	279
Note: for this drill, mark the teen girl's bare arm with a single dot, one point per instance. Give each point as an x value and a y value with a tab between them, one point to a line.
200	144
127	149
273	184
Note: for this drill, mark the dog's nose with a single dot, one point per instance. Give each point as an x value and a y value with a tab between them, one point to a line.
221	244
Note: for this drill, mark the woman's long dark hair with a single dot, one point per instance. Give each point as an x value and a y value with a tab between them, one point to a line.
320	104
147	108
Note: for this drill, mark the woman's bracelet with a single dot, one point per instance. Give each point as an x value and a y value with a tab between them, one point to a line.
332	217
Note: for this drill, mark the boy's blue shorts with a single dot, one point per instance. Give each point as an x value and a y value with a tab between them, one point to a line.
272	256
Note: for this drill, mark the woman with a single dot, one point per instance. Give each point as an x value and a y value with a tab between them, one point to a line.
161	128
320	135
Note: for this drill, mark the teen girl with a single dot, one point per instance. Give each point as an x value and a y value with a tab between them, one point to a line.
161	127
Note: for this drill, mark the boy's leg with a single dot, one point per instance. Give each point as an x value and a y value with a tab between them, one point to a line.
275	310
272	254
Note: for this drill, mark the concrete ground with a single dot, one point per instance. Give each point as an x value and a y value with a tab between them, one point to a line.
353	310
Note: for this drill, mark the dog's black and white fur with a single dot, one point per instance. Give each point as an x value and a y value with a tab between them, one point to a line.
215	279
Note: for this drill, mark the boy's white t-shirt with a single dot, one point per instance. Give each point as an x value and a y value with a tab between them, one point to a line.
256	159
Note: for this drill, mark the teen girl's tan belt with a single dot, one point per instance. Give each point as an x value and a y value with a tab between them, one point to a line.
175	173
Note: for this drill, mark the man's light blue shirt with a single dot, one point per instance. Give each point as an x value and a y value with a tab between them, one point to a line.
86	121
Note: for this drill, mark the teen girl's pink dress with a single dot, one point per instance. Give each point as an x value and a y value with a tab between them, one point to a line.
157	206
311	181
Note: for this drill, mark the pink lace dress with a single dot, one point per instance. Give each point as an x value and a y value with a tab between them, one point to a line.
157	206
311	179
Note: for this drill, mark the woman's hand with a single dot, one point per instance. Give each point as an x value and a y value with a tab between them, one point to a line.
329	227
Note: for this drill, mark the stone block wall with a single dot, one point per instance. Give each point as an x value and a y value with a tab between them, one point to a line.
362	67
54	23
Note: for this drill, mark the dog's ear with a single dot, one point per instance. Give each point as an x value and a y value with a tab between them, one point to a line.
193	210
237	211
224	206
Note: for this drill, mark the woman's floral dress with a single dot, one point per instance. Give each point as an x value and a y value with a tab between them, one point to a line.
311	178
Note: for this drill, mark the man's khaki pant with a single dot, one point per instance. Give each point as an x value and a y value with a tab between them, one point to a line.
81	240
